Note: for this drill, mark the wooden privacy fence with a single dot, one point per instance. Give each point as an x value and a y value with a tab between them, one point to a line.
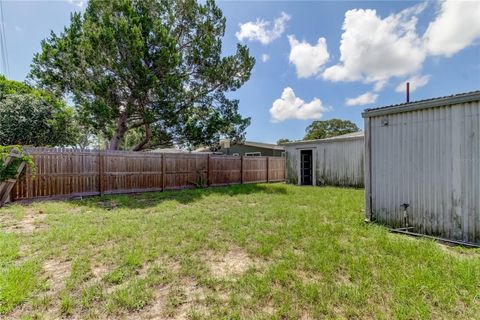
71	172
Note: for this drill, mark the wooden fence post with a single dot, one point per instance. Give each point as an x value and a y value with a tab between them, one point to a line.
164	166
100	171
241	169
208	170
268	169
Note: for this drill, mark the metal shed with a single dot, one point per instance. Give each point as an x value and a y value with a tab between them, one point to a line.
422	167
333	161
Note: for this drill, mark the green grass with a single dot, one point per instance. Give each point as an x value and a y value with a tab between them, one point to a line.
284	252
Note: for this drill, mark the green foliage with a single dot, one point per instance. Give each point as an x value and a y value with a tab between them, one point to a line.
35	117
321	129
283	140
9	170
155	67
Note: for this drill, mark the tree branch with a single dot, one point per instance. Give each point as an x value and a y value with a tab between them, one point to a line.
145	140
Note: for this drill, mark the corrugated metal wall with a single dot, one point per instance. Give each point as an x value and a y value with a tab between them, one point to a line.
429	159
337	162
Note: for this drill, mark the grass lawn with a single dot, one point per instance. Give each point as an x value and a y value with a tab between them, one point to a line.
248	251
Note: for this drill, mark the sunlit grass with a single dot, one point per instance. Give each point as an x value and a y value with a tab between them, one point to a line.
309	255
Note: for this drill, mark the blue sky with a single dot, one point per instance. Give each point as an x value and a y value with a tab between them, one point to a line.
435	44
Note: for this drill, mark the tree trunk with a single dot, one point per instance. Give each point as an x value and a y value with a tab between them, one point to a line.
119	133
145	140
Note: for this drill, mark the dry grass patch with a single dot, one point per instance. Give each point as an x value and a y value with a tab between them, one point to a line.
176	301
156	309
57	272
344	279
232	263
308	278
186	298
99	270
458	252
28	223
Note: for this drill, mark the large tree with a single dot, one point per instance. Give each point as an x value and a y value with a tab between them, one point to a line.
152	66
34	117
321	129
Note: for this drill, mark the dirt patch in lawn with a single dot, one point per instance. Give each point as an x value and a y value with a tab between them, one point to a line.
155	311
234	262
30	222
344	278
176	301
194	298
269	309
99	270
57	272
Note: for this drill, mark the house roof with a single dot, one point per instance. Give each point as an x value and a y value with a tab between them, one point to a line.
251	144
170	150
263	145
423	104
348	136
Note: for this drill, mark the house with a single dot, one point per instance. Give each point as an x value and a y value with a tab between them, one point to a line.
422	167
170	150
337	161
247	148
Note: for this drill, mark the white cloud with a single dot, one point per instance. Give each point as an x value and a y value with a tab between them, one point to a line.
379	85
78	3
456	27
363	99
265	57
291	107
261	30
308	59
416	82
374	49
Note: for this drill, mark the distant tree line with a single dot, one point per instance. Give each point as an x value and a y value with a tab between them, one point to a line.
321	129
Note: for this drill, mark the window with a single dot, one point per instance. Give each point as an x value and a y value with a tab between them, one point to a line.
253	154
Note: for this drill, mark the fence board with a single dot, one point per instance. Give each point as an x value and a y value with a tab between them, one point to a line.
73	172
225	170
254	169
276	169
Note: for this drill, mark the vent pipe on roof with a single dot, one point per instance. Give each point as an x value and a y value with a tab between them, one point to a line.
408	92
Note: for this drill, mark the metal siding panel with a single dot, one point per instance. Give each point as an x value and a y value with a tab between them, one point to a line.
475	172
291	164
449	173
430	159
337	163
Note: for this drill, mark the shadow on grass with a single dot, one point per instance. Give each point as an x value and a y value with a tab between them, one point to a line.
184	196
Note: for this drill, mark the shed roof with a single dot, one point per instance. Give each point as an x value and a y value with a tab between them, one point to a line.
423	104
348	136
